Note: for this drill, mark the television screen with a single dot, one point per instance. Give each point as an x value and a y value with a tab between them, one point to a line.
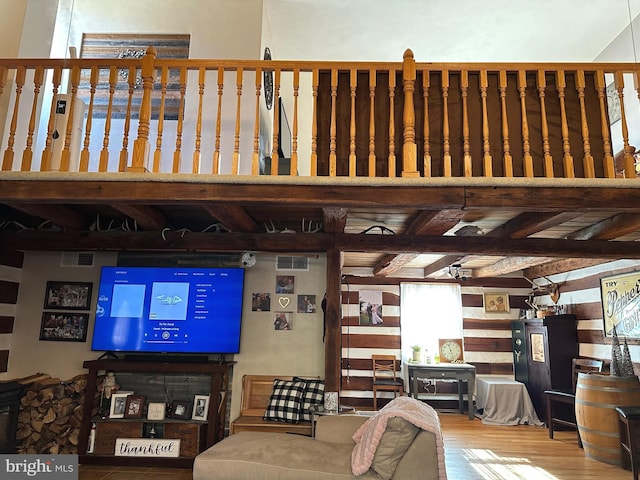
169	310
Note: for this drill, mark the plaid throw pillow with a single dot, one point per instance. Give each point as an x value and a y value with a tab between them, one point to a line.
313	395
285	402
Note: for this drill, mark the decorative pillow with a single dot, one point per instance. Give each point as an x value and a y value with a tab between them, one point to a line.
396	439
313	395
286	401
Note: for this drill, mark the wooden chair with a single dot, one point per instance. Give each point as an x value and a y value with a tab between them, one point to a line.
385	377
564	397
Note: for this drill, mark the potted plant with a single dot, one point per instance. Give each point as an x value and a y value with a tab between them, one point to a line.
417	350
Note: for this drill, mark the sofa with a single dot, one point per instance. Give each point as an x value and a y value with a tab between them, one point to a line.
402	451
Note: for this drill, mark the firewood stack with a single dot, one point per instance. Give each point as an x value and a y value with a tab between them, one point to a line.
50	415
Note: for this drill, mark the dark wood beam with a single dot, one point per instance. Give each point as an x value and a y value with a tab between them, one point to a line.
528	223
233	217
333	323
334	219
610	228
319	242
441	263
59	215
148	218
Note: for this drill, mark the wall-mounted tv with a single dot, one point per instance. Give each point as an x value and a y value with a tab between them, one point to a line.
169	310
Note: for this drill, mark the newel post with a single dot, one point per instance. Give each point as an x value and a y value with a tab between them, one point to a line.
141	148
409	149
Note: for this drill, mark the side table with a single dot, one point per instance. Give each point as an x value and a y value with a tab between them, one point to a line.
629	418
318	411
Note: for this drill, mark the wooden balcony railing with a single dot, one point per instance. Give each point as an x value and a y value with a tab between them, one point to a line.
409	119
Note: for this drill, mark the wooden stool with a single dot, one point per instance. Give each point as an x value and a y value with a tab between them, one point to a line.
629	418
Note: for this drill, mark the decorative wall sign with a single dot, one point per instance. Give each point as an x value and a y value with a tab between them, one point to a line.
284	301
621	304
134	45
147	447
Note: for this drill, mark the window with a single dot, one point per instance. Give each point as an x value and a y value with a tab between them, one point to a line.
429	311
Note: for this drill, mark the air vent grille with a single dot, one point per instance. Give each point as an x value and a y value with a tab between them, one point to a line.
76	259
292	263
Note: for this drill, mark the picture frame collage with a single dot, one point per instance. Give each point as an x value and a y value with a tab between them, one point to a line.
66	311
284	308
128	405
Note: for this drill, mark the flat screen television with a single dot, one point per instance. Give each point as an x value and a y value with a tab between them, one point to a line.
169	310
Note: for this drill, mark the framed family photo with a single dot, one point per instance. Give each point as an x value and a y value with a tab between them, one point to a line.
118	404
64	326
496	302
200	407
133	406
181	409
68	296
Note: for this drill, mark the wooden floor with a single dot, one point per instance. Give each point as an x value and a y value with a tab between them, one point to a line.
474	451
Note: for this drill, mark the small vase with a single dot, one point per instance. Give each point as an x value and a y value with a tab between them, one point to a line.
416	355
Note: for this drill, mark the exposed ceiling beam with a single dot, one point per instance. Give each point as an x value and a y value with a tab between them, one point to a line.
148	218
610	228
509	265
334	219
528	223
562	266
441	263
60	215
233	217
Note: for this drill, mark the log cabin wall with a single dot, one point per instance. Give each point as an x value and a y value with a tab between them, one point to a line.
580	292
10	273
487	336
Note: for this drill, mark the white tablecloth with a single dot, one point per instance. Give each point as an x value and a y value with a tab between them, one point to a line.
504	401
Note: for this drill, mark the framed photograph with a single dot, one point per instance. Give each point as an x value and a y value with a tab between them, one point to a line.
64	327
118	404
306	304
156	411
260	302
133	406
285	283
283	321
620	304
200	407
181	409
68	296
496	302
370	302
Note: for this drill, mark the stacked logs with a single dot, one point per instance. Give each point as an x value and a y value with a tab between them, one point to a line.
50	415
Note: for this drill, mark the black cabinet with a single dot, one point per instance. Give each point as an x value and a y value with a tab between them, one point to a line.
542	354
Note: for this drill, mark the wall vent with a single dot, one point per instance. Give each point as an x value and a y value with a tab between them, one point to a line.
292	263
76	259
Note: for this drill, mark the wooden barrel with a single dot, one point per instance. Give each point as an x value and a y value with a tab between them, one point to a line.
597	396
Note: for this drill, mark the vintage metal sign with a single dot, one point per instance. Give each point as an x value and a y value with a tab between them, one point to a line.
147	447
621	304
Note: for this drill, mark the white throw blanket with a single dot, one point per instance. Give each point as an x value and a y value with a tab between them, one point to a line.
368	436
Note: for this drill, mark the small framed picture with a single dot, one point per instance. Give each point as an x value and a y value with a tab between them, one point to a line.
282	321
64	326
496	302
118	404
68	296
200	407
285	283
155	411
181	409
133	406
306	304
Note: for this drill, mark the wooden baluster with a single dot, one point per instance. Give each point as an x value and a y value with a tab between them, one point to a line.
409	148
27	154
353	83
124	152
157	154
294	132
629	161
506	147
446	148
4	73
255	156
195	168
45	162
235	158
587	160
526	145
84	155
426	83
177	154
392	124
314	123
332	128
141	146
608	161
65	161
216	152
548	159
104	153
276	124
567	159
7	163
487	159
372	123
467	168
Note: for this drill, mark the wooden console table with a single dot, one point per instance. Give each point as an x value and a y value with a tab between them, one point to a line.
462	372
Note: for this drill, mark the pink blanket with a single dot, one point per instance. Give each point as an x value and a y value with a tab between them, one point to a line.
368	436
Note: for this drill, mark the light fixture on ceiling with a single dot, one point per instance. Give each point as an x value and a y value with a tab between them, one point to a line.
248	259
